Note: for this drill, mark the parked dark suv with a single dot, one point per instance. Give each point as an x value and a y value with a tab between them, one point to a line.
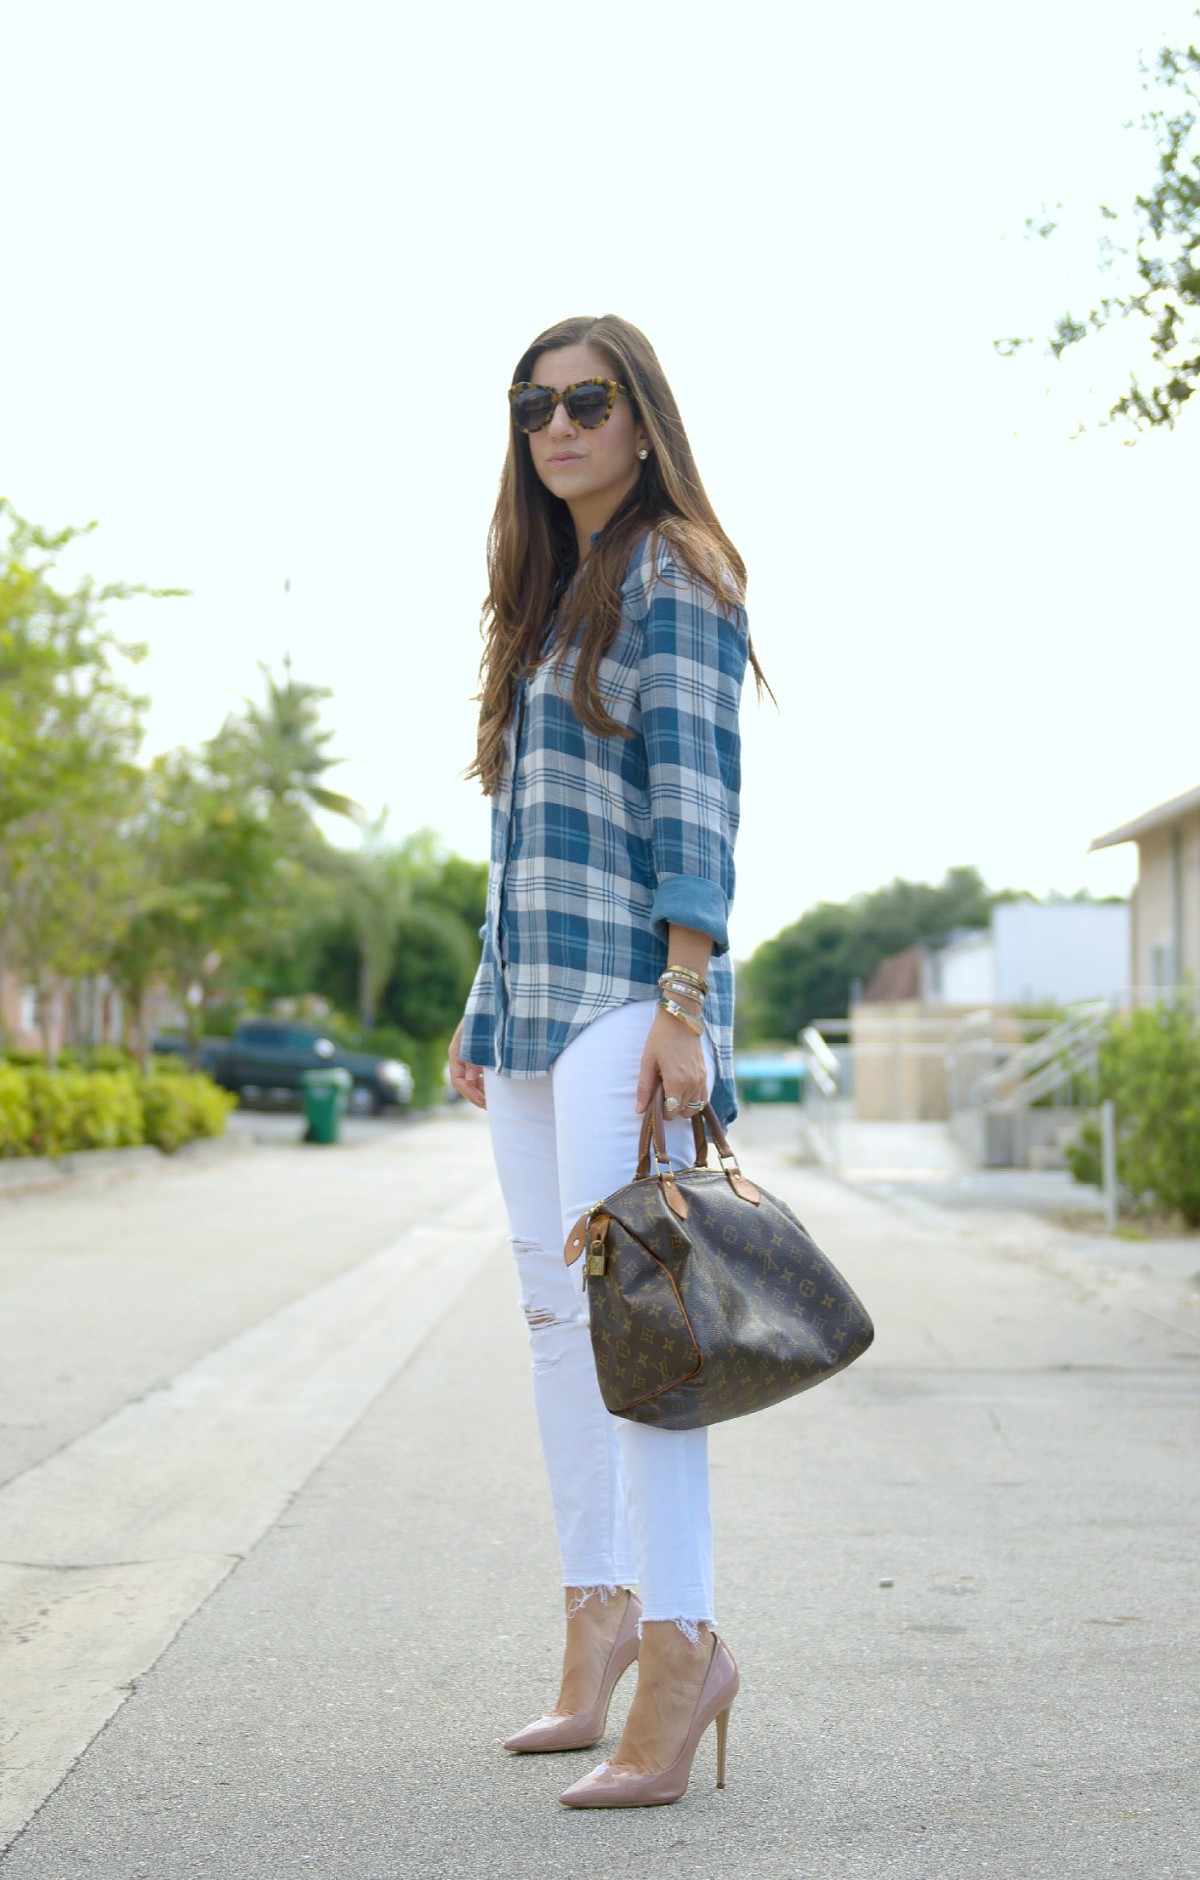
266	1058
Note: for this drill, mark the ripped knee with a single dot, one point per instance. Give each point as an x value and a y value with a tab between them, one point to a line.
541	1318
565	1314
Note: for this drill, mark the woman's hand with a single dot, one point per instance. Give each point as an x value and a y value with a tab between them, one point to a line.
675	1054
466	1078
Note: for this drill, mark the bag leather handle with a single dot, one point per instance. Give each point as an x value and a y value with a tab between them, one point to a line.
653	1131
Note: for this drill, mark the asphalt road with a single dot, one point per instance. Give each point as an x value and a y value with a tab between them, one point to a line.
280	1573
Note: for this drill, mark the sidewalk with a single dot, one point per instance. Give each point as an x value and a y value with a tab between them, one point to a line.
960	1580
918	1167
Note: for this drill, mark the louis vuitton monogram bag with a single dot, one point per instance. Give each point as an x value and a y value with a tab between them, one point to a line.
708	1297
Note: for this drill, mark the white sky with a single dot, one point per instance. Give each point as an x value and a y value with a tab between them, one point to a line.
269	267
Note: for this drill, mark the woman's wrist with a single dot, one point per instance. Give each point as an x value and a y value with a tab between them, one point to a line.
683	986
688	953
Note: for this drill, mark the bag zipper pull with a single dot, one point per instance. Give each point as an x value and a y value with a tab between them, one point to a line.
578	1238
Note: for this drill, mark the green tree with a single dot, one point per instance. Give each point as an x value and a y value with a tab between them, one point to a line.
462	888
339	940
279	750
274	756
431	976
1159	263
70	728
213	878
391	887
349	940
807	971
70	884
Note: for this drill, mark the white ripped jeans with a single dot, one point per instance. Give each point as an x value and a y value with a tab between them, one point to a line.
630	1501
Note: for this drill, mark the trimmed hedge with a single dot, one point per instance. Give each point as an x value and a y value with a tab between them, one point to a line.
16	1112
55	1112
183	1105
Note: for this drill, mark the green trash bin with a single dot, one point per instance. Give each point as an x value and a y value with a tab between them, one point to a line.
769	1079
325	1095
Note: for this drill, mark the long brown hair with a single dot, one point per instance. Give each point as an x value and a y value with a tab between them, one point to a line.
532	550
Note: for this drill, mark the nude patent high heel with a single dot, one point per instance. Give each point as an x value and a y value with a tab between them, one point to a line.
583	1728
612	1788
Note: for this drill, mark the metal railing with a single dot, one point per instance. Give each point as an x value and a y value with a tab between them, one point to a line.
1048	1064
995	1078
989	1070
823	1077
994	1067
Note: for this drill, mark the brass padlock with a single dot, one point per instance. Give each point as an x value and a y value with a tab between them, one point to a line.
597	1260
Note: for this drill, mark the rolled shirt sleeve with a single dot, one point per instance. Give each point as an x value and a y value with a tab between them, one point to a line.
693	661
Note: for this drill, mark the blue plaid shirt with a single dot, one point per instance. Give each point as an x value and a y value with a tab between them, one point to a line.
599	844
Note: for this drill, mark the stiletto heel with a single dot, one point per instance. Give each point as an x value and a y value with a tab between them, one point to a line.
722	1733
585	1727
612	1788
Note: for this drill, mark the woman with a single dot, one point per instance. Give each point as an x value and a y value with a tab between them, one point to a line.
616	644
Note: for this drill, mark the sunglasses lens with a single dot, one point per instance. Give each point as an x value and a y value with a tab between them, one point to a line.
587	405
531	409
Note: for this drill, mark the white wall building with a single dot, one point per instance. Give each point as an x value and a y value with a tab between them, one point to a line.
1035	953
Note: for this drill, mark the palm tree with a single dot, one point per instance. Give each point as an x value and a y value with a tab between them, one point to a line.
280	748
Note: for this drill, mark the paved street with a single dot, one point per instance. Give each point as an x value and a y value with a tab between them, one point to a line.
280	1571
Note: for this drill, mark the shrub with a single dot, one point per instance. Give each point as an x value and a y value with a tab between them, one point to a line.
182	1105
82	1110
52	1113
1149	1068
97	1057
1085	1155
168	1064
16	1116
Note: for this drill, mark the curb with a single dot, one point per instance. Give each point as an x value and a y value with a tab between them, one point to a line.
35	1174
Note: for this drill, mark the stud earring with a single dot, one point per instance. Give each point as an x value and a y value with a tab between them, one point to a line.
643	454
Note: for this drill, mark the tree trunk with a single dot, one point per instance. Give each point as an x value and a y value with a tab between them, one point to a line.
45	1019
133	1012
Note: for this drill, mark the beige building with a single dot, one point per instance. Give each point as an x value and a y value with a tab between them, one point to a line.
906	1041
900	1049
1165	939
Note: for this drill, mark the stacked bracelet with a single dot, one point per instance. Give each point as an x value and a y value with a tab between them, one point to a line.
677	1011
680	989
678	982
685	972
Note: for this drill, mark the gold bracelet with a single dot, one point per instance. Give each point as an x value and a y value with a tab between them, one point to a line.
677	1011
685	972
690	988
668	989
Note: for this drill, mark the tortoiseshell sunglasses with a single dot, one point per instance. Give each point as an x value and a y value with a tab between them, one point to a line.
589	403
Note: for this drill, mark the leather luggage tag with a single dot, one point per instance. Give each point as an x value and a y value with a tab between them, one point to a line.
579	1235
